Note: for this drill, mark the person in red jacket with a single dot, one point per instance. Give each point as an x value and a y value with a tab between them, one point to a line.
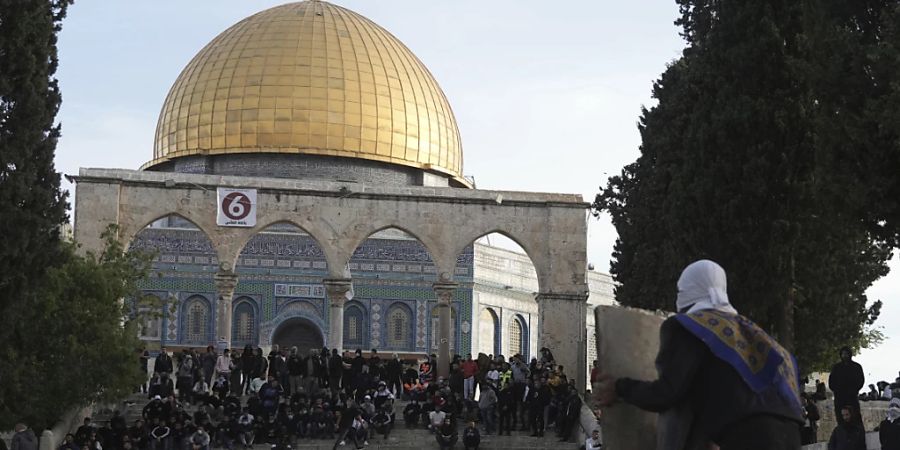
469	369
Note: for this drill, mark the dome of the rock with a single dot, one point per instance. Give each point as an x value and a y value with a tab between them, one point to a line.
315	81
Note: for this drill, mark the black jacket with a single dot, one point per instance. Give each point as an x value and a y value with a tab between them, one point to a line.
688	371
845	381
847	437
889	433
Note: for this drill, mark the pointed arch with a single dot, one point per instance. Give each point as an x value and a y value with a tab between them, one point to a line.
517	332
196	321
489	334
308	240
355	325
365	231
129	233
527	247
245	322
399	327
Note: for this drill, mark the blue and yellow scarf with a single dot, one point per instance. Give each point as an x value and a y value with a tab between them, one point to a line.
758	358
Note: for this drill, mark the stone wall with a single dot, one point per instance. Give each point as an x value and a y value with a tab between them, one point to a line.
872	414
872	443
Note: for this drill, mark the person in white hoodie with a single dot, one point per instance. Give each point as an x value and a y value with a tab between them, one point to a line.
223	364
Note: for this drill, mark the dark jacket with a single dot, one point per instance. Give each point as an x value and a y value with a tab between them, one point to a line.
163	364
688	371
889	434
24	440
471	436
848	436
296	365
845	381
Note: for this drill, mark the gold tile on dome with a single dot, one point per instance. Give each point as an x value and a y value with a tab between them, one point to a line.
290	80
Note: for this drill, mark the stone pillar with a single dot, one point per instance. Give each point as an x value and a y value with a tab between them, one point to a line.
337	290
444	293
225	283
562	329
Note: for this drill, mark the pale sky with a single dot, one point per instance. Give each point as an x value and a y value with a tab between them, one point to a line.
547	95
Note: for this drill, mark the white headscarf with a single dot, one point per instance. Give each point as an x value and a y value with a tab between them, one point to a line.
894	410
703	286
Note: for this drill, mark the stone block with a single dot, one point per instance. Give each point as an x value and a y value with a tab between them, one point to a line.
627	344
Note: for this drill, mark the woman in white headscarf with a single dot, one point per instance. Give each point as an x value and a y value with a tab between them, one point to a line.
889	430
706	390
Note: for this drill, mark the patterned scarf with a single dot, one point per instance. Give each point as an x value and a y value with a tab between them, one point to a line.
759	359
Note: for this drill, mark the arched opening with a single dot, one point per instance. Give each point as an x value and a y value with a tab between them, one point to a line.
196	321
393	276
245	328
279	269
298	332
282	248
488	332
355	326
399	328
518	337
503	274
180	282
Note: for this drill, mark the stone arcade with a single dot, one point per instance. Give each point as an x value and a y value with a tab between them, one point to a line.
366	231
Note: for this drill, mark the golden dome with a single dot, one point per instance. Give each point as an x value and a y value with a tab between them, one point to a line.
310	78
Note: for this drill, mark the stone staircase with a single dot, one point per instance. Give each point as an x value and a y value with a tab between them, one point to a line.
399	438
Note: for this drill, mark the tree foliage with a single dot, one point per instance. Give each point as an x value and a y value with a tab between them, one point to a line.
773	150
32	207
68	342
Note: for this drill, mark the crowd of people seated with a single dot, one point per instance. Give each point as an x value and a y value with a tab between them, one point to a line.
242	398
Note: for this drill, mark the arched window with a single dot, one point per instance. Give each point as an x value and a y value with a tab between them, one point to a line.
488	332
196	328
398	330
518	337
354	327
436	325
243	330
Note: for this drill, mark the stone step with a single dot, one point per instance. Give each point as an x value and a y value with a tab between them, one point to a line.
400	437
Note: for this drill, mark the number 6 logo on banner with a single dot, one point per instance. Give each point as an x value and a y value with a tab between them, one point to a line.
236	206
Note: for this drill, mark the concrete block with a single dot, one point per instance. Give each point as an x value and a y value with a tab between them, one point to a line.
627	344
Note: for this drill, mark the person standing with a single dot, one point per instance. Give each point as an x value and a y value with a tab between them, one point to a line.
295	369
809	433
487	403
393	370
538	399
208	363
845	381
469	369
163	362
889	429
223	365
702	366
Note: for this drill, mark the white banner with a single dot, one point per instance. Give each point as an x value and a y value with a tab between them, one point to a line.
237	207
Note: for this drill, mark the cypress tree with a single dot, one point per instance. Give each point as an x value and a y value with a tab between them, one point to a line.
32	206
760	155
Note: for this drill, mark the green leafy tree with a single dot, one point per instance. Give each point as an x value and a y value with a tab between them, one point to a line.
760	155
70	343
32	207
